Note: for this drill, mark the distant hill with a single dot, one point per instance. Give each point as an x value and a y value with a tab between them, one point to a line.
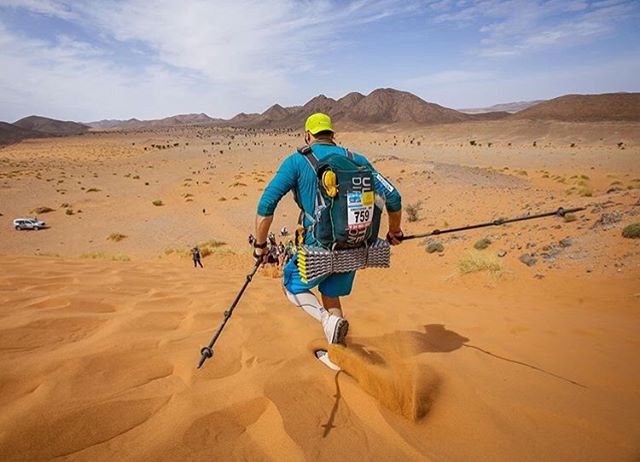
177	120
51	126
586	108
10	134
504	107
384	106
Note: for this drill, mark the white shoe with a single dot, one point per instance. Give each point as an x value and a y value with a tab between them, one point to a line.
323	356
335	328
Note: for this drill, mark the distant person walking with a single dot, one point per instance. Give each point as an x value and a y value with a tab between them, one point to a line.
195	254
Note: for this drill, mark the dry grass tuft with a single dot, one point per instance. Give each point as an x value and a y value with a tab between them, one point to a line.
473	262
104	256
116	237
39	210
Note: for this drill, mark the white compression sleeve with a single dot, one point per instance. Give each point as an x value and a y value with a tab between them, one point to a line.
308	302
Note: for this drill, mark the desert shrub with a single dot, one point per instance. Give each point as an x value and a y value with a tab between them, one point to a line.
535	143
93	190
69	211
104	256
631	231
413	211
208	247
136	177
116	237
222	199
585	192
473	262
569	217
434	246
39	210
158	203
472	142
482	243
573	145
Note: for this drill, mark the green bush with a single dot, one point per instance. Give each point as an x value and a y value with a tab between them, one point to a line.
632	231
482	243
435	246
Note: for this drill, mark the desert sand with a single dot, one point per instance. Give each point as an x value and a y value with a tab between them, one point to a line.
460	355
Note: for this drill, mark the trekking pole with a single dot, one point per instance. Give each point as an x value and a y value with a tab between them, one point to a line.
207	352
561	212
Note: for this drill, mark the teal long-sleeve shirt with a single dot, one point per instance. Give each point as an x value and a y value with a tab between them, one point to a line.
295	173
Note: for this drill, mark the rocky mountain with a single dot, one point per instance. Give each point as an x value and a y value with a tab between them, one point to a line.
10	134
177	120
586	108
384	106
51	126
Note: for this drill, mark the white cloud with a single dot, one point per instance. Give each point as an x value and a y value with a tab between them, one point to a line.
218	57
516	27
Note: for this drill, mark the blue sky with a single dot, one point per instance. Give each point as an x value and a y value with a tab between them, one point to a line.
83	60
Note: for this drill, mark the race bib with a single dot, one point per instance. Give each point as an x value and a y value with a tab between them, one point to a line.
360	209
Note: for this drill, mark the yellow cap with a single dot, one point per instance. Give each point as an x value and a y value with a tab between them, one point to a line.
317	123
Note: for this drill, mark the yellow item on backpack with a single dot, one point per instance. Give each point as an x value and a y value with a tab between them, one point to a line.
330	183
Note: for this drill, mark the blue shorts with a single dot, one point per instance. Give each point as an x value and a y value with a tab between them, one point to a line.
331	285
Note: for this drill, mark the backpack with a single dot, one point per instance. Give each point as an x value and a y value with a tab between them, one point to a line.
346	214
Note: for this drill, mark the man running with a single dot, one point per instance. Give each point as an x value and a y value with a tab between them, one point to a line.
298	174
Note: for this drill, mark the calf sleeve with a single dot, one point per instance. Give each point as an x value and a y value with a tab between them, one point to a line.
308	302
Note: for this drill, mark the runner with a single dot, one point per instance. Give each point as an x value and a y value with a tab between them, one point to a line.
299	172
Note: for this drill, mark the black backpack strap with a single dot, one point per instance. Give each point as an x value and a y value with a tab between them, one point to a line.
308	154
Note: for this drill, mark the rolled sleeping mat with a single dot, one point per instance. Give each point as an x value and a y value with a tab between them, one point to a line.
315	262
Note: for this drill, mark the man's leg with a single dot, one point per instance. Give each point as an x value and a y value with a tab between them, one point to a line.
332	305
307	301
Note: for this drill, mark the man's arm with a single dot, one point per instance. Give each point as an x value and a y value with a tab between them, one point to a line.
281	184
394	236
262	228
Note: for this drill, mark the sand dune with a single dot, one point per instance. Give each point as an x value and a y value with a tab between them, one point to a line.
100	336
99	363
